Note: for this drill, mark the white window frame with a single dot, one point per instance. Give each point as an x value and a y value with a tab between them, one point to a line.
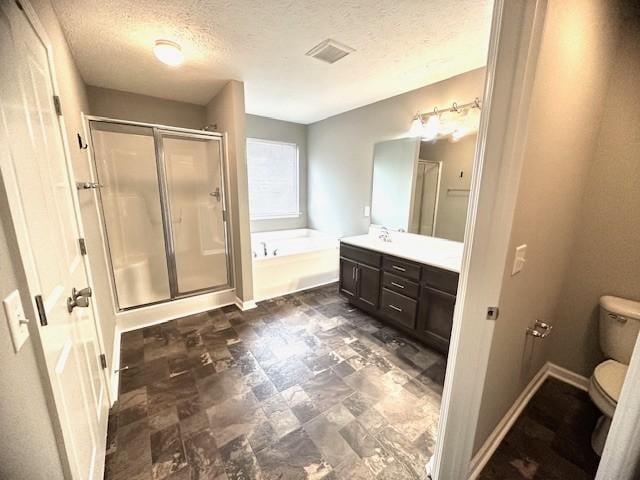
297	212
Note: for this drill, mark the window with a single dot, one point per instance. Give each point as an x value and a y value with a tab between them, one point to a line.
273	179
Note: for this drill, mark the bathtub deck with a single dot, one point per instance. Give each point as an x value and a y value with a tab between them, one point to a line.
304	386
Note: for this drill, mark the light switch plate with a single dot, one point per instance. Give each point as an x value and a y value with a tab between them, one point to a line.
367	211
519	260
18	323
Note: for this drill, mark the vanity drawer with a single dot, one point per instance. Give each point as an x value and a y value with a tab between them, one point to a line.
444	280
399	308
360	255
401	267
400	285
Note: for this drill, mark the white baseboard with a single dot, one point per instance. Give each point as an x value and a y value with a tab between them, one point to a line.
567	376
248	305
493	441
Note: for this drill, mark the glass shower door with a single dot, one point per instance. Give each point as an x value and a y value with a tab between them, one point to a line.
196	204
125	162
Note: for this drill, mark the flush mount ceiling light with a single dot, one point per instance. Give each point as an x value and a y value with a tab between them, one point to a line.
168	52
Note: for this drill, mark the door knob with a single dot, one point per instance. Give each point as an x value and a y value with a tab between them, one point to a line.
79	298
85	292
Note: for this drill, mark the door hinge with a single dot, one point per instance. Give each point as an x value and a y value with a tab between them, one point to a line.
103	361
57	104
41	312
492	313
224	216
83	246
19	5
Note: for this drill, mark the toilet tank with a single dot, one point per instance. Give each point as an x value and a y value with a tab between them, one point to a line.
618	327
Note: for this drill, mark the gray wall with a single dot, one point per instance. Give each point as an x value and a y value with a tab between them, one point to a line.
142	108
456	157
28	447
277	130
227	112
605	258
340	150
567	104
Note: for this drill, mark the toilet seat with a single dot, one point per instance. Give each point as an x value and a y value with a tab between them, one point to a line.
606	384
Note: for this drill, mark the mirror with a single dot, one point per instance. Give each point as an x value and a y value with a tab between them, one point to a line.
423	187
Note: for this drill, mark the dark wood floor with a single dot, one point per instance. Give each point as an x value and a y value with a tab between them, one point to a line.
550	440
304	386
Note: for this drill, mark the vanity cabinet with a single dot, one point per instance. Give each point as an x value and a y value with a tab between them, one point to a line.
360	276
436	317
415	298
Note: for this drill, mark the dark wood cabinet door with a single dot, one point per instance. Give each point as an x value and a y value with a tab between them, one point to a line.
368	285
348	284
436	317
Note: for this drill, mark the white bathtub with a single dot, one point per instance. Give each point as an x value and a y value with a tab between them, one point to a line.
294	260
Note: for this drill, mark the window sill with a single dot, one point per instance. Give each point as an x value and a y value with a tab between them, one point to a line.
277	217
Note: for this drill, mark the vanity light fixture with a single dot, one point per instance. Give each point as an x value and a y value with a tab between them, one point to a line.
429	126
168	52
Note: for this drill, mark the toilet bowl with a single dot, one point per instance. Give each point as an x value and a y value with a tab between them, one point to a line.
618	328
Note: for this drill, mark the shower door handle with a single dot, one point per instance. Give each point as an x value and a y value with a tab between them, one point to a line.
216	194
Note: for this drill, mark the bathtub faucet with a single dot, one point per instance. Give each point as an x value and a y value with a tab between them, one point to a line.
264	247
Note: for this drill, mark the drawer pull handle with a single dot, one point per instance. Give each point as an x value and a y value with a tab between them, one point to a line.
397	309
400	269
397	285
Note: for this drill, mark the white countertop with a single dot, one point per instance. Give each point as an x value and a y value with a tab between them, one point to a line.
437	252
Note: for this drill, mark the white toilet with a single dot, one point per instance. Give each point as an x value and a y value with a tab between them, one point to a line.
618	328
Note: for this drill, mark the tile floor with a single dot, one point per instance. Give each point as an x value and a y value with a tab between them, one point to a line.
550	440
304	386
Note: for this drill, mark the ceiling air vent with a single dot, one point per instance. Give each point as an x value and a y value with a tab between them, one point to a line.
329	51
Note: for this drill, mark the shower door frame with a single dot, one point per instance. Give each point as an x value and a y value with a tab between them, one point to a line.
425	162
165	208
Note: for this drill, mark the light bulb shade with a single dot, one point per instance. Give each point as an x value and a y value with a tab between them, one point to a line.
417	129
168	52
431	128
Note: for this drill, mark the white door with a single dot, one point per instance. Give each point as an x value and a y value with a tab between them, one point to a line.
38	180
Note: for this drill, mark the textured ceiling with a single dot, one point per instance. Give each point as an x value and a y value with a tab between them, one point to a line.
399	45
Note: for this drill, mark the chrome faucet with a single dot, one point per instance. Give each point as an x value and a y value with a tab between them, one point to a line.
384	235
264	248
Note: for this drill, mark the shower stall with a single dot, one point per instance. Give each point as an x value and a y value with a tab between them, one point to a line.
161	194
